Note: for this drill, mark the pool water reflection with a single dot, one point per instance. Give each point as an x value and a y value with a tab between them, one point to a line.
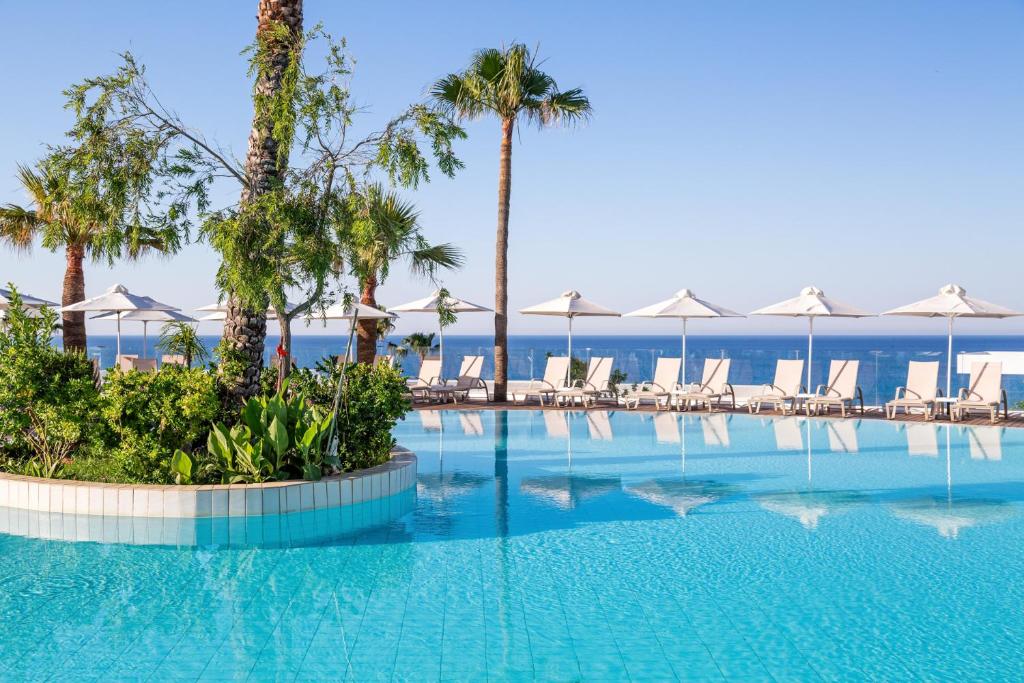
572	545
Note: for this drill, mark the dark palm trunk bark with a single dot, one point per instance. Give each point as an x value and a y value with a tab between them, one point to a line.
501	266
74	291
366	330
245	328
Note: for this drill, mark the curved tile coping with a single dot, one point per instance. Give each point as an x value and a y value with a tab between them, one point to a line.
192	502
367	522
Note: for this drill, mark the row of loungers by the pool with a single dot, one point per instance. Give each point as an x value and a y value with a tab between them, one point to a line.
786	393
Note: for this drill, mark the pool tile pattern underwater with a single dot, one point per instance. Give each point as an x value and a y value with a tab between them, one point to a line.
605	547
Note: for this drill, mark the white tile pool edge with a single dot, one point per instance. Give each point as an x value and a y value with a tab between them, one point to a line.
192	502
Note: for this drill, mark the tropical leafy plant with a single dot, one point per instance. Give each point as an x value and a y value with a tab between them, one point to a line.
278	437
508	84
419	343
178	338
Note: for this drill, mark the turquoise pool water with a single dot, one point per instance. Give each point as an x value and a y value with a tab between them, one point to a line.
555	546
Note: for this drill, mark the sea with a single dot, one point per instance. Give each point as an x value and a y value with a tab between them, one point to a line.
883	358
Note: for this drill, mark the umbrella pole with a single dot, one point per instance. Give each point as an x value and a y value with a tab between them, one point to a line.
570	346
810	350
145	324
441	351
683	363
949	361
118	338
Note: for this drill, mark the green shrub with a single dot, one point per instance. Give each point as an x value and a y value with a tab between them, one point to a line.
374	400
48	403
154	414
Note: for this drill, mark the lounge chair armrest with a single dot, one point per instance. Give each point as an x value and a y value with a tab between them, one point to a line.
822	390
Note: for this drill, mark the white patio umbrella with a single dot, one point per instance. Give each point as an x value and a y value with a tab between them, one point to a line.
26	301
219	311
683	306
430	304
952	302
570	305
812	303
146	317
353	313
118	299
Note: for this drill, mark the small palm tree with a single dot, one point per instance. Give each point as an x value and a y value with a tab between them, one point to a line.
384	228
63	218
508	84
420	343
178	338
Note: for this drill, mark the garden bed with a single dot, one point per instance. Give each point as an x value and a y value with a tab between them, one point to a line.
234	500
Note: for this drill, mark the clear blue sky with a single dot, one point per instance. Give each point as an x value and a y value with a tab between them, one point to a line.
741	149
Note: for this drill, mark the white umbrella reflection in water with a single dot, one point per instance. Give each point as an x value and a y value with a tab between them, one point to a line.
950	515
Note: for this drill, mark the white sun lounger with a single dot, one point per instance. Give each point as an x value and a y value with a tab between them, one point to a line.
430	373
984	392
713	387
468	380
556	374
784	389
841	390
666	380
596	385
920	392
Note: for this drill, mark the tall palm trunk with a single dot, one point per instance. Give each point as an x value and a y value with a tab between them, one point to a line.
501	265
245	328
74	291
366	330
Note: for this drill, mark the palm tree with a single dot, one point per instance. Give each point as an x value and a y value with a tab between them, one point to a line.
420	343
178	338
509	84
384	228
63	218
278	33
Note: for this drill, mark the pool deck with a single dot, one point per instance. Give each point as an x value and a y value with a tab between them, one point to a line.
1015	420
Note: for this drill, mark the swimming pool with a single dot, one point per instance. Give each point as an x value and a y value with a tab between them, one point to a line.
568	546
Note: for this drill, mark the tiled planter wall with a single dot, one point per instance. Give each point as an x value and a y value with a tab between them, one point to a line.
191	502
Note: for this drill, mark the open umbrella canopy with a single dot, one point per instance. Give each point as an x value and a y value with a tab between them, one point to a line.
430	304
119	299
339	311
952	302
219	311
146	317
683	306
812	303
26	301
570	304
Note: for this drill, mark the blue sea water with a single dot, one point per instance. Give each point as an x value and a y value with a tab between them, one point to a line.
565	546
883	359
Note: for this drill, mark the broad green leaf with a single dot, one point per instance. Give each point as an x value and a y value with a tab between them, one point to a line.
278	433
181	466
